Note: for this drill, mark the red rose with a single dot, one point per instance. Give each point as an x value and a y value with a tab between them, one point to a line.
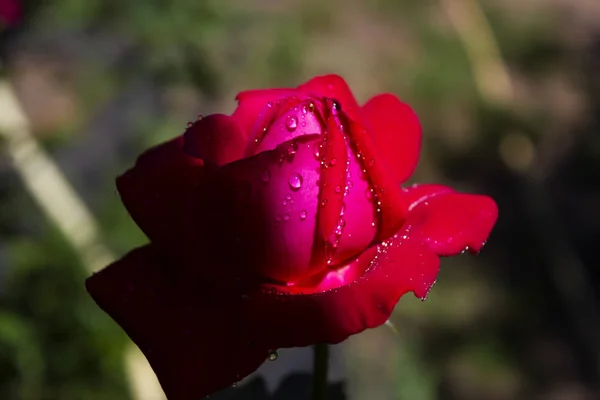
282	225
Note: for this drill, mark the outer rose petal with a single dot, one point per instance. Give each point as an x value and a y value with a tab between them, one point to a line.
397	131
216	138
450	222
279	318
156	191
335	87
252	102
192	339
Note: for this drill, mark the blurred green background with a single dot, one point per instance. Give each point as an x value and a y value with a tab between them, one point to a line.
508	93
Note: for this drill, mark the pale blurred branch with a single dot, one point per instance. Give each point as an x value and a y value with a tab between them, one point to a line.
477	37
56	197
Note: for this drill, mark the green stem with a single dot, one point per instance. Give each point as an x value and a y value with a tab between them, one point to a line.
320	369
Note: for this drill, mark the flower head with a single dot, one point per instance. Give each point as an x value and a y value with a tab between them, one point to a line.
282	225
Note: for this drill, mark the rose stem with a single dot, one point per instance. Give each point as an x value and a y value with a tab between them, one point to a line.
320	368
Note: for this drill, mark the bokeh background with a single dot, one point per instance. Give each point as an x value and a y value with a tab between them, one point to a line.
508	92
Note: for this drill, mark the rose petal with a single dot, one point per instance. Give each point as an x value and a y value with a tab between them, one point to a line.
333	183
397	131
216	138
281	319
387	194
157	190
252	102
192	339
293	119
335	87
358	225
268	129
450	222
418	193
171	197
274	211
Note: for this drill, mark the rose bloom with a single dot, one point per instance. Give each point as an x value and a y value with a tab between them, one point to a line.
282	225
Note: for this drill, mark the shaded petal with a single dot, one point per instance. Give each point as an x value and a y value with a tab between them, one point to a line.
335	87
252	102
282	318
157	191
170	196
192	339
216	138
397	130
450	222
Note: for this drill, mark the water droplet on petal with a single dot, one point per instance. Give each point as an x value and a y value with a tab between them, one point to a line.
338	189
189	124
286	217
369	194
333	162
269	104
337	107
324	203
317	151
272	355
291	150
291	123
311	106
266	176
295	182
303	215
199	117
